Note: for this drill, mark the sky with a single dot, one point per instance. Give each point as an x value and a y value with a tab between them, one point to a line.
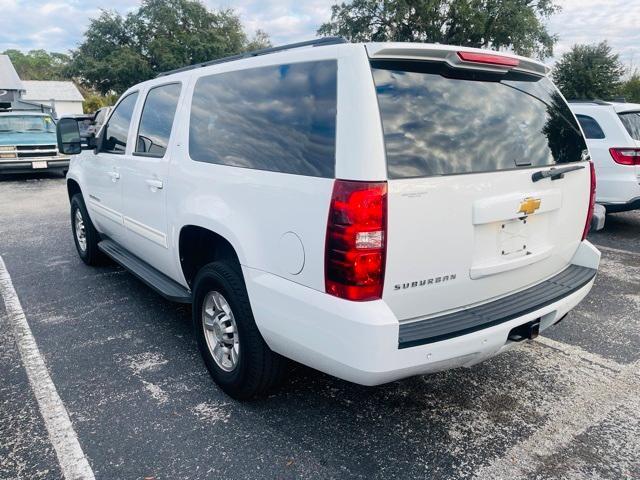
57	25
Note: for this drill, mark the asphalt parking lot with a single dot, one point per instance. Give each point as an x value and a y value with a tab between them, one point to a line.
125	366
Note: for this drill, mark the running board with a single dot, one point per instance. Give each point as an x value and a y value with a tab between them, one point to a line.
143	271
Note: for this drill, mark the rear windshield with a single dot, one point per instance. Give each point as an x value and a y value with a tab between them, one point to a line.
441	121
631	121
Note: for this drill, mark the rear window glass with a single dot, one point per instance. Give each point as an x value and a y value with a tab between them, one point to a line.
440	121
631	122
591	128
279	118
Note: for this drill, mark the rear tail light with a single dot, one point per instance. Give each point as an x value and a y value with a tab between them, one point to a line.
356	240
625	156
488	59
592	201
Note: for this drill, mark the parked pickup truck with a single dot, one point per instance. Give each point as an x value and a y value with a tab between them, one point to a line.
28	143
374	211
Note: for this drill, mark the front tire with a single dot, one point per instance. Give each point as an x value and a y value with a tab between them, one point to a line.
233	350
85	235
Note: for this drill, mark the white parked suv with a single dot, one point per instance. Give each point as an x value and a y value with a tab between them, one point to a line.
374	211
612	130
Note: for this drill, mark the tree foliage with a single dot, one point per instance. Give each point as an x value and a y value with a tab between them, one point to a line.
39	64
630	89
120	51
497	24
94	101
588	72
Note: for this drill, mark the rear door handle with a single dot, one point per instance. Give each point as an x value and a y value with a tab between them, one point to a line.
114	175
153	183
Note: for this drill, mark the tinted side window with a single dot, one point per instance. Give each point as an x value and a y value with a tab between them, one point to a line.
442	121
631	122
277	118
116	131
157	119
591	127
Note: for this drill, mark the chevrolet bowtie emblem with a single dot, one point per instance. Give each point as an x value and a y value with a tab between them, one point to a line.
529	205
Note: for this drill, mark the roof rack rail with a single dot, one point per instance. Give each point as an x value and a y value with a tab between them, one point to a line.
263	51
596	101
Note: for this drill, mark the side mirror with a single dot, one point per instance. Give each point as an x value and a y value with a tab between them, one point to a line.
69	140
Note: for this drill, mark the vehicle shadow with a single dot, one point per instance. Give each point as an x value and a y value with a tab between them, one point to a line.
20	177
621	231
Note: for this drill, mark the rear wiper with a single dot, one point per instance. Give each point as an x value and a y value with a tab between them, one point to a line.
555	173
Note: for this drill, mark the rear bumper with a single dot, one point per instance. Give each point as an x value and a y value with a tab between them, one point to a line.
359	341
633	204
26	165
517	305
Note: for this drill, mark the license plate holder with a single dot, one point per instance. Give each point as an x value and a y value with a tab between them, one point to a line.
41	164
513	237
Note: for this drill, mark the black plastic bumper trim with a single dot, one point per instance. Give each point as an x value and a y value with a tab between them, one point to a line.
493	313
633	204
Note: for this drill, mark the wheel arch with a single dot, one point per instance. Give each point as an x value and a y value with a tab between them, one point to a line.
199	246
73	188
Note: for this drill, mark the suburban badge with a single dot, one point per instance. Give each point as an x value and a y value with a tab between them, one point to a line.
426	282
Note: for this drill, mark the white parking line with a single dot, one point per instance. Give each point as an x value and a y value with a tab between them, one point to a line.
73	463
579	354
616	250
596	394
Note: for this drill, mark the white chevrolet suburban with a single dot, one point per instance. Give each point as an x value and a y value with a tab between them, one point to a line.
374	211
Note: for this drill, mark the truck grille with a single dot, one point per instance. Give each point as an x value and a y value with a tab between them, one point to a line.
31	151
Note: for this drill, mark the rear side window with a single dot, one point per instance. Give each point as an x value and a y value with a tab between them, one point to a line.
157	119
116	131
631	121
278	118
591	128
441	121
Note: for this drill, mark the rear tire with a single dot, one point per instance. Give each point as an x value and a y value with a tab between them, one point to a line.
231	345
85	236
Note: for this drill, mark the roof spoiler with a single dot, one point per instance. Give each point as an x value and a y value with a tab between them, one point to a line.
457	57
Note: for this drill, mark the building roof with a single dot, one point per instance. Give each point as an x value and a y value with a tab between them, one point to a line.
45	90
9	79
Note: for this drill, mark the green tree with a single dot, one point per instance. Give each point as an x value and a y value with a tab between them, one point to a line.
39	64
496	24
94	101
119	51
630	89
588	72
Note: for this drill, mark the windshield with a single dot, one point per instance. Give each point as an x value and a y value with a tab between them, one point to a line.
438	121
27	123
